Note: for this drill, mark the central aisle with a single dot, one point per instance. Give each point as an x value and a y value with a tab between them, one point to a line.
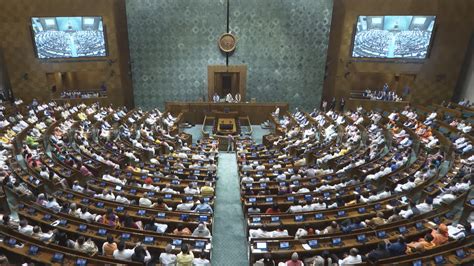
229	243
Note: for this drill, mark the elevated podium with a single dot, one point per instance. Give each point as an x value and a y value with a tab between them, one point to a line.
195	112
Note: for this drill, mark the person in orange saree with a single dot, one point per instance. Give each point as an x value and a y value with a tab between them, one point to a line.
427	134
181	230
422	244
440	236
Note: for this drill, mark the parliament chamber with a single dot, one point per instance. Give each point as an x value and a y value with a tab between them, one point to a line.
236	132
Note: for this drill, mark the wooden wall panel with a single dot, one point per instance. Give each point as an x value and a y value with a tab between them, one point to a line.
213	69
436	76
17	44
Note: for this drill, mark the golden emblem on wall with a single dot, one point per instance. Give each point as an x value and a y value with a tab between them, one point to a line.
227	42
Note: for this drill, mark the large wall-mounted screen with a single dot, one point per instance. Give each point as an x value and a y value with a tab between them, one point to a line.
404	37
68	37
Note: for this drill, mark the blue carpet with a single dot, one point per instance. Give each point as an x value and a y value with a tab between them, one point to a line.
229	243
194	131
258	132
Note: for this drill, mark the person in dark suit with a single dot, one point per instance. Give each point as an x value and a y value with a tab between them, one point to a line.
333	104
379	253
398	248
342	103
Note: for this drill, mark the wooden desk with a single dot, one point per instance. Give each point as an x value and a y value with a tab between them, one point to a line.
194	112
226	126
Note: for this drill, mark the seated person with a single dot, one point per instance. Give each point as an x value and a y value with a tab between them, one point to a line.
416	209
88	246
259	233
377	220
181	230
398	248
379	253
201	231
295	261
352	258
355	224
440	236
167	258
421	245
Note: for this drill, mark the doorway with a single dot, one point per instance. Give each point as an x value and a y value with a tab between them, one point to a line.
5	85
226	83
227	79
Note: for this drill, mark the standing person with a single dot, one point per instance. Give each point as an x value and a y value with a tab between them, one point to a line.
238	98
215	98
230	143
324	105
406	91
342	103
333	104
167	258
185	257
228	98
140	254
202	260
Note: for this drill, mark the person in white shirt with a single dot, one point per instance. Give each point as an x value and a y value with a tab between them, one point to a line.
259	233
409	185
201	261
393	116
467	128
238	98
167	258
122	253
144	201
430	118
107	195
458	231
148	185
247	179
246	167
433	143
211	166
185	205
318	205
383	171
375	197
228	98
53	205
86	215
253	209
444	198
39	234
44	173
281	176
301	232
418	209
25	228
108	177
122	199
467	148
352	258
461	186
168	189
76	187
296	207
4	123
190	189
